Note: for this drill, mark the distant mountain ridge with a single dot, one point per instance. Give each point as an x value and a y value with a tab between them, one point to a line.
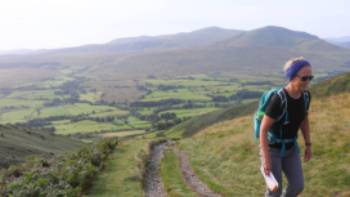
271	36
196	38
259	50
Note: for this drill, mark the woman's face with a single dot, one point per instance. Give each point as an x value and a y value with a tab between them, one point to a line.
303	78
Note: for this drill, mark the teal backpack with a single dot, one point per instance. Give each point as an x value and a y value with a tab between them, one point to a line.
282	119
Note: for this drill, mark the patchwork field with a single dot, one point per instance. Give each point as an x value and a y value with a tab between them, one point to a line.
68	104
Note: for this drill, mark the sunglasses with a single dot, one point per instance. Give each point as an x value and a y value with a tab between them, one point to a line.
306	78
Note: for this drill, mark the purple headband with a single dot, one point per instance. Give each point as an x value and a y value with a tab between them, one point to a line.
294	68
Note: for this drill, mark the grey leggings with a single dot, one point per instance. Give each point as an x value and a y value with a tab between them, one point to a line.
291	166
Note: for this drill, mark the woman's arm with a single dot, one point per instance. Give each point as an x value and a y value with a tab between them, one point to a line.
266	124
305	129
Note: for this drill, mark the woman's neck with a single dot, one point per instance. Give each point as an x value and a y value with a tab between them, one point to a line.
293	91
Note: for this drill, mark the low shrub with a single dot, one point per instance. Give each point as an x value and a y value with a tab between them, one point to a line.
64	175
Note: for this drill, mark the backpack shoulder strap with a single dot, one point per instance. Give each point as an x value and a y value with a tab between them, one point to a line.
306	100
284	104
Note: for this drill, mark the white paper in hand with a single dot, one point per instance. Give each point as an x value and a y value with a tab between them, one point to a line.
270	180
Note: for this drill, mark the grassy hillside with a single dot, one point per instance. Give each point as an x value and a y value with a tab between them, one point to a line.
18	143
196	124
225	156
332	86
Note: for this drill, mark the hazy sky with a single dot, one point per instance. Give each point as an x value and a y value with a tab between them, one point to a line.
59	23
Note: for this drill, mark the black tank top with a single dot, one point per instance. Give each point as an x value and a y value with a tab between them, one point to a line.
296	114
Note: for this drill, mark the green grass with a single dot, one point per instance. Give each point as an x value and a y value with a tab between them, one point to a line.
181	113
91	96
145	111
194	88
85	126
258	88
16	116
18	110
196	76
55	82
122	175
9	102
172	178
73	110
224	160
122	133
183	94
202	88
66	127
248	101
223	90
183	82
113	112
36	95
137	123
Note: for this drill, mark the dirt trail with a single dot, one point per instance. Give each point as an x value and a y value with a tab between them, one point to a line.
152	183
191	179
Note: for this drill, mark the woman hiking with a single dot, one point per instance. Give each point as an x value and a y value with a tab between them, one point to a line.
279	129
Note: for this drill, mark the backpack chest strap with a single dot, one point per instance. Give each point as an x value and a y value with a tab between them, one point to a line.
272	140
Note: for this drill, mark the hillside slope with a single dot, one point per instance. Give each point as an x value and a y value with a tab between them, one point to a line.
196	124
225	154
335	85
18	143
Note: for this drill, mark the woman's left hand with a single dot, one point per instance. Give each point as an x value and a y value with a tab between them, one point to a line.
307	154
